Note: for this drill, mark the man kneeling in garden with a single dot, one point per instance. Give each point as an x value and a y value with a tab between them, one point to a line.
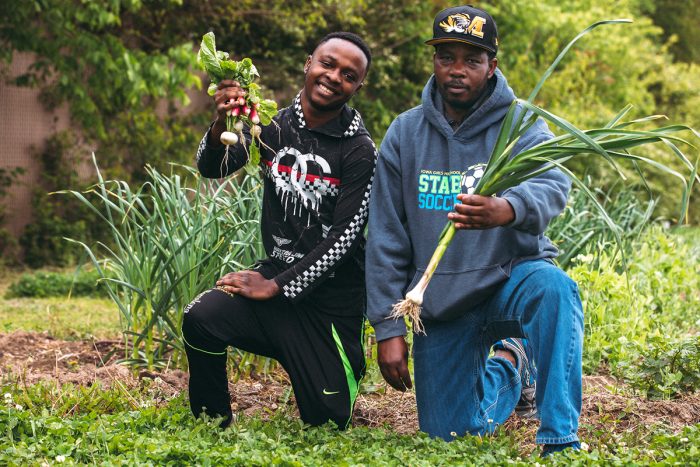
304	304
497	286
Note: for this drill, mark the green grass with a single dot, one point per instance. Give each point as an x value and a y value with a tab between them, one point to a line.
61	317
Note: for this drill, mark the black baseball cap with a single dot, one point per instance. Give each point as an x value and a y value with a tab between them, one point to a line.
465	24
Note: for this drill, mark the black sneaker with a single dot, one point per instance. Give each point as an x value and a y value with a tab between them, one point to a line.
526	407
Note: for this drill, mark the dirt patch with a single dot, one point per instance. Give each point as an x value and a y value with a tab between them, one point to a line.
609	410
607	405
602	402
39	356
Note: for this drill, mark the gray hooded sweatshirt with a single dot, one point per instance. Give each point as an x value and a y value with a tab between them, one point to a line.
423	165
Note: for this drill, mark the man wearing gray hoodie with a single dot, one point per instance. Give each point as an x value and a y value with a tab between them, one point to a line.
497	287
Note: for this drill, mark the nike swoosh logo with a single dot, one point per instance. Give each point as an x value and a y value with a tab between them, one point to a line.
329	393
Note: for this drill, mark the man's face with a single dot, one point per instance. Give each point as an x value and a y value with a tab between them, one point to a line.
461	73
334	72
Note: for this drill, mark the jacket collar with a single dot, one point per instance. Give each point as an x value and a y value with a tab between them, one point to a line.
345	125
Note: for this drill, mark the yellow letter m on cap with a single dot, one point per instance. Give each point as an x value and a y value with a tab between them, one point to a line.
476	27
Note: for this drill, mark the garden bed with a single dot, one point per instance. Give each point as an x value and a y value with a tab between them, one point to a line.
608	406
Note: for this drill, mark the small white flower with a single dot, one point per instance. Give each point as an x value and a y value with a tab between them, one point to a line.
683	440
8	397
60	458
584	446
584	258
18	407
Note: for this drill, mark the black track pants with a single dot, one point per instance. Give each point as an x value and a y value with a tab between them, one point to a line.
322	352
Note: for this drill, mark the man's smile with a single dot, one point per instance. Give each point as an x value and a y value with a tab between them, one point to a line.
326	90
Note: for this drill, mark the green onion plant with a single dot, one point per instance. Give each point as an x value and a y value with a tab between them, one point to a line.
580	230
169	242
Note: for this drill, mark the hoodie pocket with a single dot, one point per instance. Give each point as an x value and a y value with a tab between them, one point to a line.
451	294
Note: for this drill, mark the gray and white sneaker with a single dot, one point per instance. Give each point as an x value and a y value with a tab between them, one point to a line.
526	407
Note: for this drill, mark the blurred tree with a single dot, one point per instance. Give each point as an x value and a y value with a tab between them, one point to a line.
115	62
679	19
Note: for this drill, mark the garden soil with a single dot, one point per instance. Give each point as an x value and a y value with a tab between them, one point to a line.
608	406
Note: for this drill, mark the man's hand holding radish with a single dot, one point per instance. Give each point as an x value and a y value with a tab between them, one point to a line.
227	98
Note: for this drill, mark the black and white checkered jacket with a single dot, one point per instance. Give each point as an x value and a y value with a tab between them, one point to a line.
316	196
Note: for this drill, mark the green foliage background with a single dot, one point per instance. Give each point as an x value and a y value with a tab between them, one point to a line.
55	284
125	67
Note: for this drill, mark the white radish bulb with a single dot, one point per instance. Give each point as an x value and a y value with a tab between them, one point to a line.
255	131
238	126
228	138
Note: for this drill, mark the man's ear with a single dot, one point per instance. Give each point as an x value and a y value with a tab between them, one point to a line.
493	63
307	64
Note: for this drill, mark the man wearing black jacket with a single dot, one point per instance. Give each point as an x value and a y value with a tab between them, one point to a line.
302	305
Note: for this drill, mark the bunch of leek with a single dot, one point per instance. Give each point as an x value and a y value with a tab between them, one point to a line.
505	170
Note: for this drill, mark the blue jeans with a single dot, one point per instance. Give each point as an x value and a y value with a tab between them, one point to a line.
460	390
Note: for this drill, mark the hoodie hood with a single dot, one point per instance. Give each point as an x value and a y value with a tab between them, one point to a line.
491	111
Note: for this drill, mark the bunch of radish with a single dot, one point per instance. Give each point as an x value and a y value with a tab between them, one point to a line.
250	111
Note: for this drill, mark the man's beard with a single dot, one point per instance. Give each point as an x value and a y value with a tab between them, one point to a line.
460	105
463	105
